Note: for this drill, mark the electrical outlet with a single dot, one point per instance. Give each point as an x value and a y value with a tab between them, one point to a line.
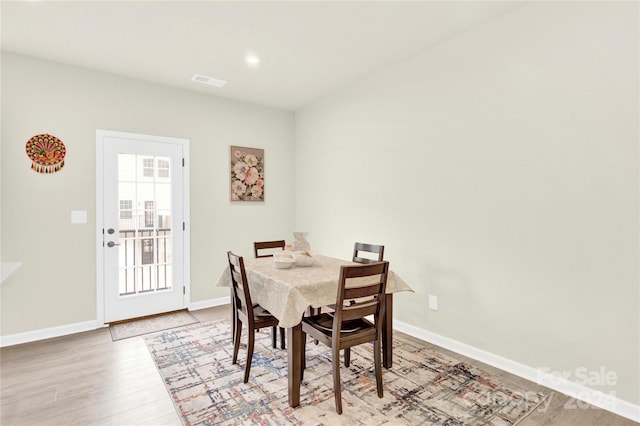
433	302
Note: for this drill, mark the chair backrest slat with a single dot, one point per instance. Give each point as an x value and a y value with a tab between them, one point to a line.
239	290
372	249
359	310
266	245
239	285
361	291
364	299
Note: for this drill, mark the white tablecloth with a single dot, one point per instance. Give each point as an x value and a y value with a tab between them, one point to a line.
287	293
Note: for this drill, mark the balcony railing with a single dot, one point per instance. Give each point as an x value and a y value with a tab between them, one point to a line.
145	260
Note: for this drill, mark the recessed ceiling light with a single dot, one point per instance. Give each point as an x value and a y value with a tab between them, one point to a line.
252	60
208	80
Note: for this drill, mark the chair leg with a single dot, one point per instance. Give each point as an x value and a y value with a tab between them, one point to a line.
347	357
282	346
316	311
236	340
247	367
378	366
337	387
303	355
311	312
234	316
274	333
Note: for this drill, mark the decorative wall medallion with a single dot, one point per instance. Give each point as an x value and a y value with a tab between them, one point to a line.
46	152
247	174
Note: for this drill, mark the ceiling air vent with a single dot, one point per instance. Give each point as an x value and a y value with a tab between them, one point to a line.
208	80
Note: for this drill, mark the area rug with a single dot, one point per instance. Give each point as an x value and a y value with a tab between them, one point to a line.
138	327
424	387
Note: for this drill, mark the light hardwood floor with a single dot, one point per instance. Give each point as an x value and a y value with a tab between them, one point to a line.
86	379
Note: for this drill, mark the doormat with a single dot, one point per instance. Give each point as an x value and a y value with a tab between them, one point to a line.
140	326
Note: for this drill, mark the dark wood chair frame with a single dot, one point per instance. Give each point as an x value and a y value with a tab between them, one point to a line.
245	312
264	245
369	248
357	249
347	325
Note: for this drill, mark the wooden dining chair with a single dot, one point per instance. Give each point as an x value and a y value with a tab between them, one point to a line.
375	253
347	325
266	245
372	251
245	312
364	253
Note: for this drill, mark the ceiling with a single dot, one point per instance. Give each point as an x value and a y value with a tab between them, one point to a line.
307	49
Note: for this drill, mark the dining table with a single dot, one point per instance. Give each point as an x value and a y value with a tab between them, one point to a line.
288	293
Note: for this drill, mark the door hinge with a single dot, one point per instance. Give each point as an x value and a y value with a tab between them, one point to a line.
184	226
183	162
184	290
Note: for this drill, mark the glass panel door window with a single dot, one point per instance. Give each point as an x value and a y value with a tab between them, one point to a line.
144	195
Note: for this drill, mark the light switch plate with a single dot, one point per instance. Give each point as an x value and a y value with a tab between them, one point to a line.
433	302
78	216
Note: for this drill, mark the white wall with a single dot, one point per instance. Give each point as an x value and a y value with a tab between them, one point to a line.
500	170
57	283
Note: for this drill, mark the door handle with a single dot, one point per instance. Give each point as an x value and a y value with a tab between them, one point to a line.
111	244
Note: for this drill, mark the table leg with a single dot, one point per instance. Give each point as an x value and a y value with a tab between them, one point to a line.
294	358
387	332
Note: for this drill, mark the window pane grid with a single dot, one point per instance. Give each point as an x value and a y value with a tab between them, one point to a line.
145	230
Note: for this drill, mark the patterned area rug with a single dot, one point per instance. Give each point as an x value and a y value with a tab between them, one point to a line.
423	387
124	330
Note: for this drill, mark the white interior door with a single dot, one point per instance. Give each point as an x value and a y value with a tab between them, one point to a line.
142	237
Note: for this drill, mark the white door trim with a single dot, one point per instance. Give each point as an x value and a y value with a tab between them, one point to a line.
100	135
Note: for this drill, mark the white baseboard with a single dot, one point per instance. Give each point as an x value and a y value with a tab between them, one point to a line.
64	330
48	333
575	390
203	304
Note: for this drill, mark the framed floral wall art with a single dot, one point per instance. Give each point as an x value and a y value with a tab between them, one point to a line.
247	174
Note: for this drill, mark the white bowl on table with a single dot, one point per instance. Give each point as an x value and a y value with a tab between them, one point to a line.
283	254
303	258
282	262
